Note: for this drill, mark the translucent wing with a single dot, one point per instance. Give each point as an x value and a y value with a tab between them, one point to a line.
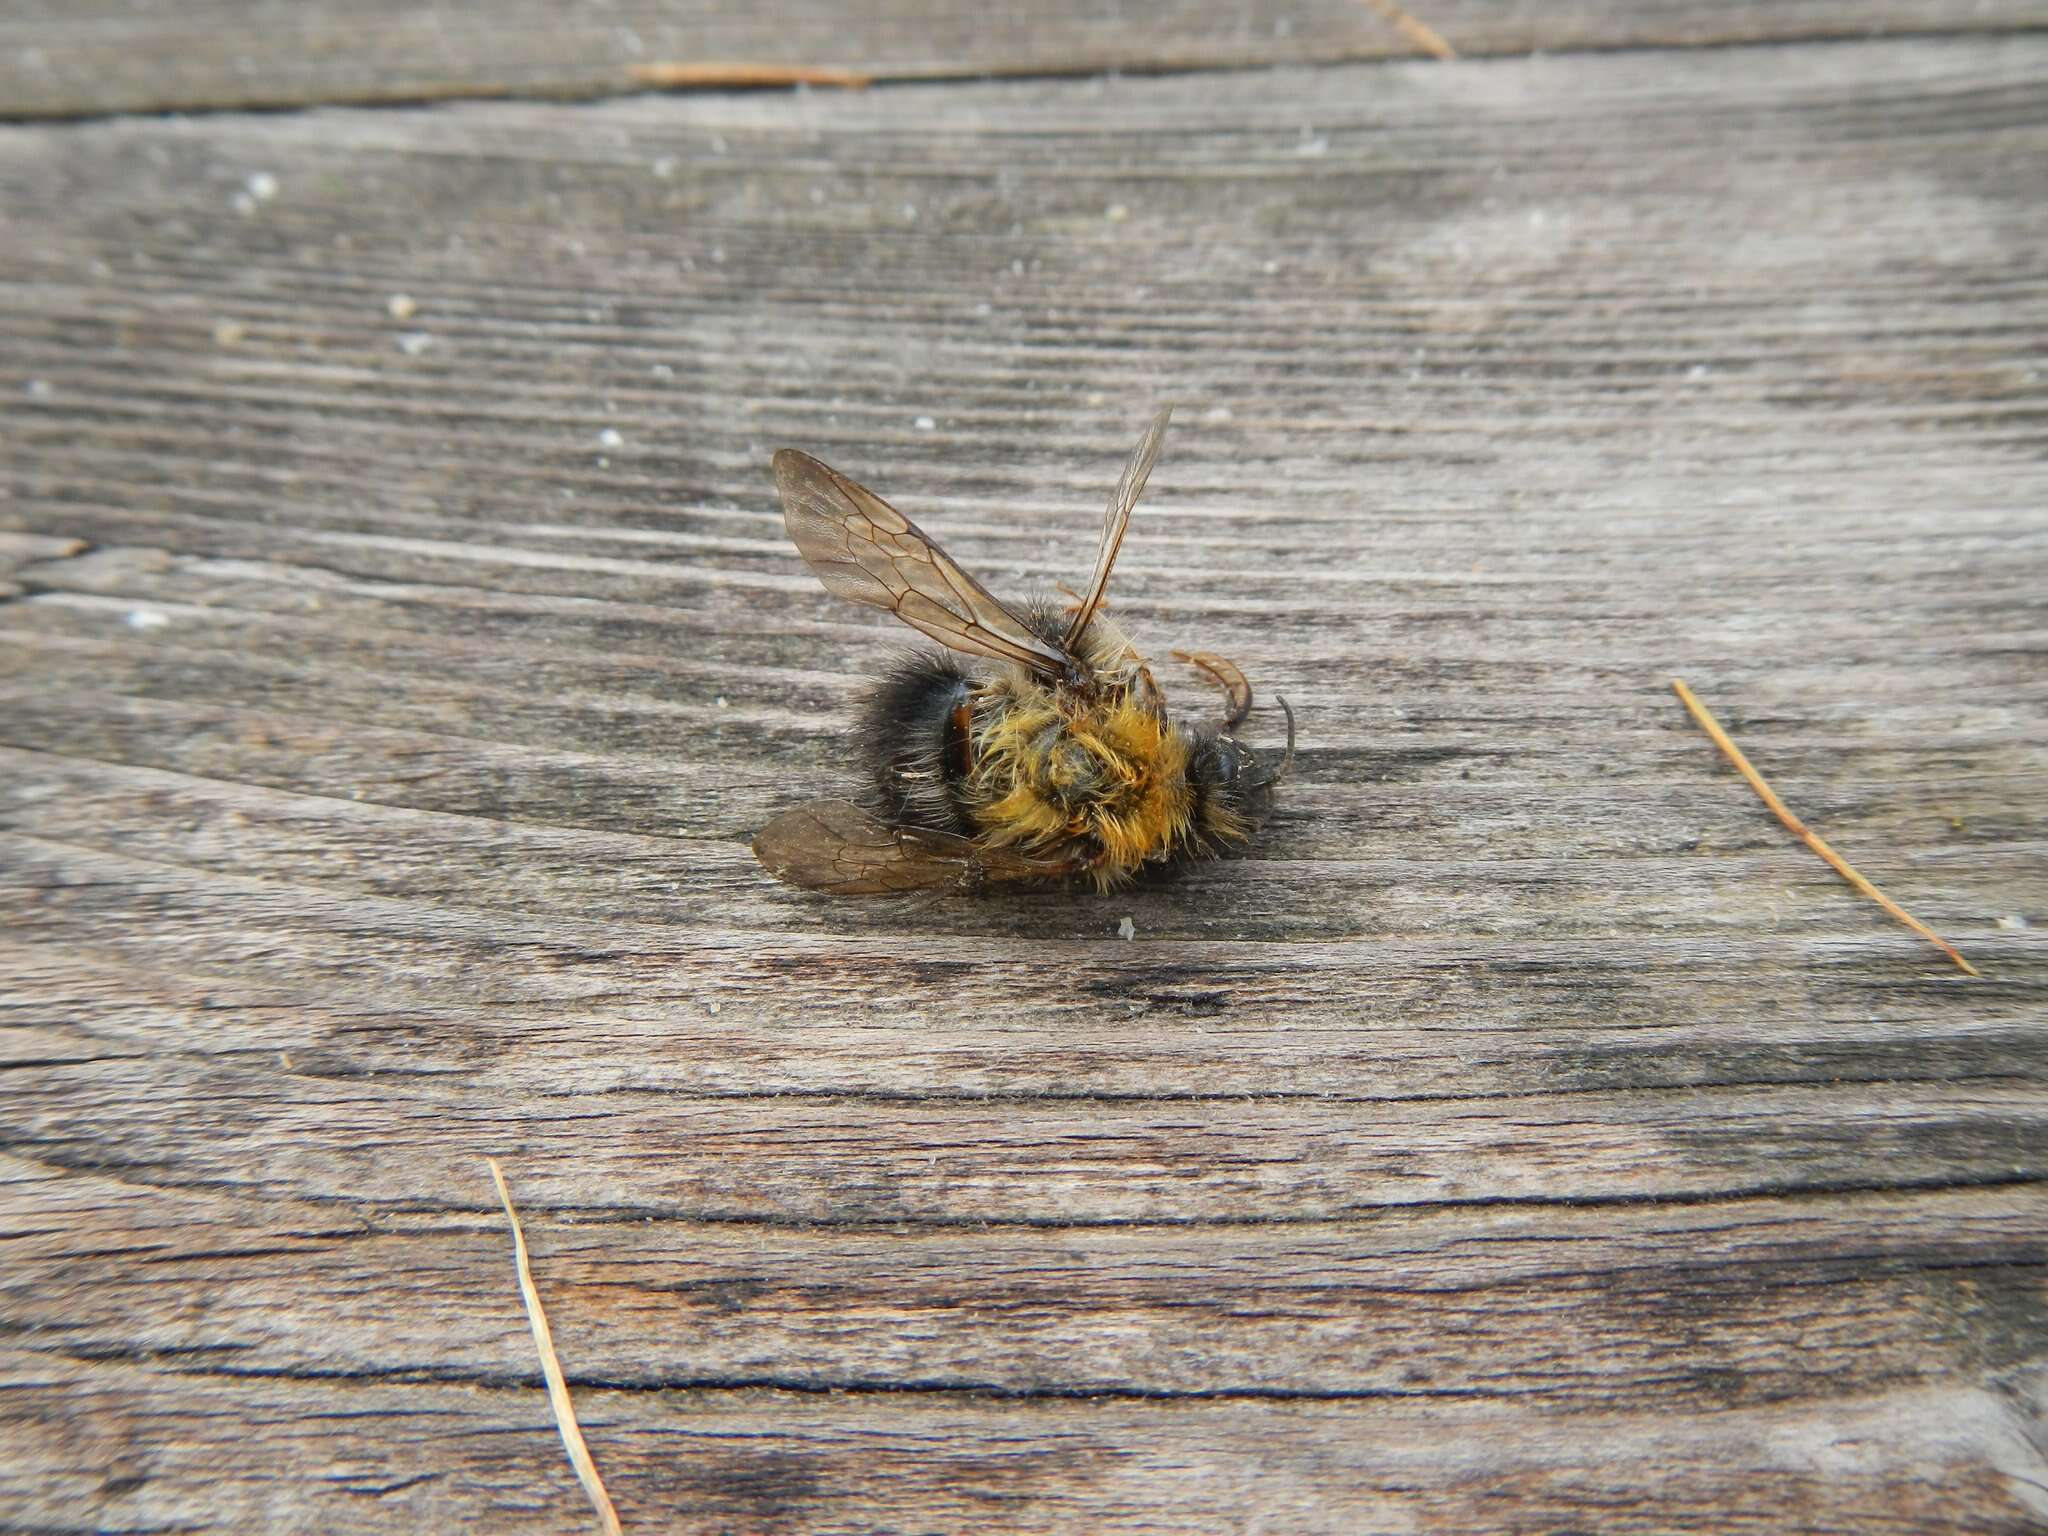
835	846
1117	519
864	550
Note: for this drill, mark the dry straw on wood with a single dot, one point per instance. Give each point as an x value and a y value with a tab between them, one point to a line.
1799	829
551	1368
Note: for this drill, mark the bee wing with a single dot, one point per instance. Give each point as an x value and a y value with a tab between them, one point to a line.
864	550
835	846
1117	519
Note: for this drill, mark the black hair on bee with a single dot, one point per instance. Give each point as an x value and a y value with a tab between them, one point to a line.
914	733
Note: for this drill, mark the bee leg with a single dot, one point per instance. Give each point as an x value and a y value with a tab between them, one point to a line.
1147	689
1236	690
976	878
1286	762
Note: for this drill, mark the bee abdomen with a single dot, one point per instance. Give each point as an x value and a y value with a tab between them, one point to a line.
913	730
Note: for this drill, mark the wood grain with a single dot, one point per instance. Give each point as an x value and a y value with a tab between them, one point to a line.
398	646
61	58
753	1459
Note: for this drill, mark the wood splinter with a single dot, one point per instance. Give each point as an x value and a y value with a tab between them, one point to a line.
551	1368
1799	829
717	75
1417	31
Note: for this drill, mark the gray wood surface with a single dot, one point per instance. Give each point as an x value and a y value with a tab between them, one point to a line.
398	646
72	57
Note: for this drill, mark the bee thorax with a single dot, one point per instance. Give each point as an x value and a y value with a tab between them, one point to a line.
1103	781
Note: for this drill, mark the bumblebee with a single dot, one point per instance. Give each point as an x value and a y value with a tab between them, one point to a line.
1051	759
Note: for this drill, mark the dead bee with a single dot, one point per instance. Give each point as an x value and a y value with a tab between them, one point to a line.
1058	761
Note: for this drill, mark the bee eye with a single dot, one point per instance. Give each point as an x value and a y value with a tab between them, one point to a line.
1233	761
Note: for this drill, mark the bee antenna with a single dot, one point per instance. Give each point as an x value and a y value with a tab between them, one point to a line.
1287	761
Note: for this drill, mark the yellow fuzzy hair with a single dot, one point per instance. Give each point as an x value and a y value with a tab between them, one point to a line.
1106	782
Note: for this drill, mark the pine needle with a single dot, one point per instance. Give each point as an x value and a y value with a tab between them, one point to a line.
1424	37
551	1368
1799	829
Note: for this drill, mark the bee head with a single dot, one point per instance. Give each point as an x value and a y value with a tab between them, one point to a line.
1231	784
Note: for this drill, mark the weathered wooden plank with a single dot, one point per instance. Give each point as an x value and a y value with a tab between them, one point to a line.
19	549
386	1138
118	56
1524	1136
1569	1308
757	1460
1165	1036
